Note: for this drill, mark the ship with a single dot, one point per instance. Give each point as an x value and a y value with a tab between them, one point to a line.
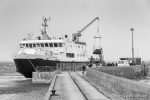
47	51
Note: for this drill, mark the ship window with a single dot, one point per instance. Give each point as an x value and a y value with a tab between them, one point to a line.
42	45
120	62
27	45
51	45
34	45
37	45
30	45
83	55
70	55
55	45
46	44
60	44
21	46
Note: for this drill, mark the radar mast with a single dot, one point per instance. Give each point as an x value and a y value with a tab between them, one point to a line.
45	25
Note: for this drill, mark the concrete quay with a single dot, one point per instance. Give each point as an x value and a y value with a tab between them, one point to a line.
70	86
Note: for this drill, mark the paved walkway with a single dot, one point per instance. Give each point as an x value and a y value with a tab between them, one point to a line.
90	92
66	89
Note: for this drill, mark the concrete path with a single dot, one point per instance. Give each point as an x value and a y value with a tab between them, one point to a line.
66	89
90	92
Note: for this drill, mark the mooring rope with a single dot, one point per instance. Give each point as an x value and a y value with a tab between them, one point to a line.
32	65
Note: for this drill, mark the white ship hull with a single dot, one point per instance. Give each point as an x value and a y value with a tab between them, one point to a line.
51	51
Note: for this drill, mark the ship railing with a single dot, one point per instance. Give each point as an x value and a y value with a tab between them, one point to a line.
46	68
73	66
65	66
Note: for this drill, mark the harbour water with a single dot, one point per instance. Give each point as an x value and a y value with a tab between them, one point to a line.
14	86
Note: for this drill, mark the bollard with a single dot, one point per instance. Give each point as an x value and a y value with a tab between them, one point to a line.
53	92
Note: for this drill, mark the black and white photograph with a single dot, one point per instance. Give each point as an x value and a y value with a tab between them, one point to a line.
74	50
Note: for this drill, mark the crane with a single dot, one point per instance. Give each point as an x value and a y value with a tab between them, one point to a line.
77	35
97	51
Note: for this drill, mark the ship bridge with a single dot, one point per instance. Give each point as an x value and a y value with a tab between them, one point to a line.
41	43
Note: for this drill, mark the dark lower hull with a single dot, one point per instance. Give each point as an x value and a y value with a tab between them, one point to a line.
27	66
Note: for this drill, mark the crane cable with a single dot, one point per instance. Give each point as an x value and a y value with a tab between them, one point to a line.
98	27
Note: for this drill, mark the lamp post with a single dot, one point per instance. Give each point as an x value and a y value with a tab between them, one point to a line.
132	29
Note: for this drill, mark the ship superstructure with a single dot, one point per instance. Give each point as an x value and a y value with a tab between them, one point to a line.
46	50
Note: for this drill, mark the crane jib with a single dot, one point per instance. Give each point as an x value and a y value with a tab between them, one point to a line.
97	18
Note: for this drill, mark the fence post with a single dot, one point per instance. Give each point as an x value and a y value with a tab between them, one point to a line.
74	66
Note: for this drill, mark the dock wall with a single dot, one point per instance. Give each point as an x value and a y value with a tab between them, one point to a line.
128	72
42	77
128	89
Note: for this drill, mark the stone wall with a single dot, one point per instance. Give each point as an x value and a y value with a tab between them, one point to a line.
128	89
129	72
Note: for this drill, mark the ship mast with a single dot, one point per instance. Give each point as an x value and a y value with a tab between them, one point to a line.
45	25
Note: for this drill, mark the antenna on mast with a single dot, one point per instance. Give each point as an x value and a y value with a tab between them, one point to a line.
137	53
45	25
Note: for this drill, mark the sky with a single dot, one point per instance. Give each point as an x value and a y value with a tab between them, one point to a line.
20	17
